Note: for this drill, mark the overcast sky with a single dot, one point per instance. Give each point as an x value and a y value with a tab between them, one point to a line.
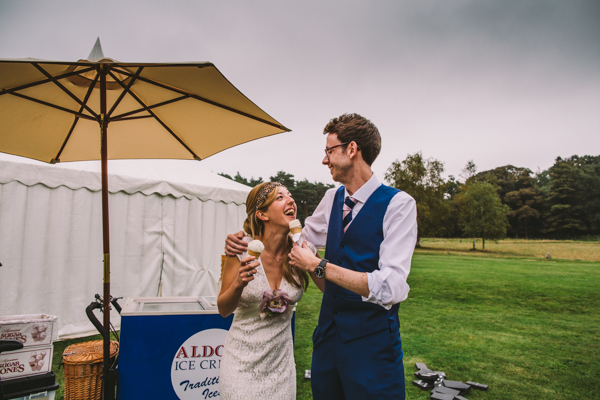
499	82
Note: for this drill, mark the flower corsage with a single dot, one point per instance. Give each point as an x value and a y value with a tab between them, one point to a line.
274	302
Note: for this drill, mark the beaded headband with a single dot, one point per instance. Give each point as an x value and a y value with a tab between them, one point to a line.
265	192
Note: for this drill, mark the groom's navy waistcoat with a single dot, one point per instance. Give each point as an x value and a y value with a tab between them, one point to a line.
356	249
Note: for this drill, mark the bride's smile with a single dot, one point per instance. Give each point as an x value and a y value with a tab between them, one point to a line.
283	209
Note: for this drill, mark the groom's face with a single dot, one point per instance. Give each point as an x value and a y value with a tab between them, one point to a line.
337	160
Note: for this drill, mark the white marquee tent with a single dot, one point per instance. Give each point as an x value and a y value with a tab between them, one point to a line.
168	222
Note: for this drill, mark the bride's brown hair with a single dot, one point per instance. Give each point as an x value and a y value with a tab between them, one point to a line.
259	199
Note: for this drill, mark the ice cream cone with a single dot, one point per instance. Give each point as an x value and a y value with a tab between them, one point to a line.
255	248
295	227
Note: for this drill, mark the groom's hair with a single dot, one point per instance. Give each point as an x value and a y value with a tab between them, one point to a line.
356	128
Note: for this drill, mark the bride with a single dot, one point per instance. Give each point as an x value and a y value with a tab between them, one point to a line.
258	359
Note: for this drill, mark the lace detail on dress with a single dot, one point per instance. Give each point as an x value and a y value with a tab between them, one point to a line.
258	361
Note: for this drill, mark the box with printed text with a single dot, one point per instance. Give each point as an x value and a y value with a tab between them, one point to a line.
29	329
26	362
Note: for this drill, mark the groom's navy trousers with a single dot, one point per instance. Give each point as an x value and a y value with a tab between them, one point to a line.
357	351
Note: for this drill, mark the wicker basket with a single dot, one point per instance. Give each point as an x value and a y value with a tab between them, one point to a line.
83	369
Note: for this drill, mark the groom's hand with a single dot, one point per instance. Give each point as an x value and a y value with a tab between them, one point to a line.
234	244
303	258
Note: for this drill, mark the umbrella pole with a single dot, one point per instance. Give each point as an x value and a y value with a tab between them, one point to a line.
105	231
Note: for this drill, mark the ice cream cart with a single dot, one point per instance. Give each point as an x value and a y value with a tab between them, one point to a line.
171	348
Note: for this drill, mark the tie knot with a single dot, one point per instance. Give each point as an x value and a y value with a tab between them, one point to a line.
350	202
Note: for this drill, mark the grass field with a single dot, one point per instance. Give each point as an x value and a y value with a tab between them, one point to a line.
558	249
526	326
529	328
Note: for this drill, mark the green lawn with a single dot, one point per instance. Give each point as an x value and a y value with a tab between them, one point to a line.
529	328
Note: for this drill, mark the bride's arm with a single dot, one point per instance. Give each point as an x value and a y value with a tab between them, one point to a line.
235	279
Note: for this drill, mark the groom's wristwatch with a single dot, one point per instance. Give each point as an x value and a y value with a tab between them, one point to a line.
320	269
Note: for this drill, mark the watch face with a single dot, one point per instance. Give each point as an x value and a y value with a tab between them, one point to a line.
320	272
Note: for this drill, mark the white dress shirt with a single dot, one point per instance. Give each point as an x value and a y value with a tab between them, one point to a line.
387	286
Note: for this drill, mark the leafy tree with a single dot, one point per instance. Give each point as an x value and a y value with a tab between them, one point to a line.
507	178
518	189
451	221
524	203
482	213
574	197
285	179
240	179
590	196
452	187
468	171
422	179
542	181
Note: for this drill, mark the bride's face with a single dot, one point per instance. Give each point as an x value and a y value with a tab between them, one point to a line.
283	209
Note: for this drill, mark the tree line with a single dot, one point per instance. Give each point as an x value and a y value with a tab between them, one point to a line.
562	202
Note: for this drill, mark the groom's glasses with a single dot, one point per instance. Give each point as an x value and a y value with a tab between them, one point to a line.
329	150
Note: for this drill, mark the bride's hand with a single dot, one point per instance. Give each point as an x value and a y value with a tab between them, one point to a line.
246	271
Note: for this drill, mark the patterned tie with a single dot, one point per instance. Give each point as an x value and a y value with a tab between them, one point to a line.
349	204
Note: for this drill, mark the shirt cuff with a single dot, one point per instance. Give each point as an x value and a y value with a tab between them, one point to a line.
379	292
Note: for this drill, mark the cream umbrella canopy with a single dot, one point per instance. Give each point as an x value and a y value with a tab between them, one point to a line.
56	111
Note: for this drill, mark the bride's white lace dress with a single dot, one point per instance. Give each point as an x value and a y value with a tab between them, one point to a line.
258	359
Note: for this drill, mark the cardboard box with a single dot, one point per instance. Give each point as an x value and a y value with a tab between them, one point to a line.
26	362
30	329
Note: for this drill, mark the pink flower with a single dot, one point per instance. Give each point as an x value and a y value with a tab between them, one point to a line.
274	302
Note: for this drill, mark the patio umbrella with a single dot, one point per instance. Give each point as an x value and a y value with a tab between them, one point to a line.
57	111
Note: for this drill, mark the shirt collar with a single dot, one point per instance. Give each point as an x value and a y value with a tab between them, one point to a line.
366	190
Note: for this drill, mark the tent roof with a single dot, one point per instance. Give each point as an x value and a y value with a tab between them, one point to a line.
177	178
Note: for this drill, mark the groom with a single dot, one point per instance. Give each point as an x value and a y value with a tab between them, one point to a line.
369	232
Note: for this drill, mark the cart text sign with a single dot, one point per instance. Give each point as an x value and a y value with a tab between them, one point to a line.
196	365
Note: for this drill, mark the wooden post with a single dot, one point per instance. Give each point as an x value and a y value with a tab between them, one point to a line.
105	228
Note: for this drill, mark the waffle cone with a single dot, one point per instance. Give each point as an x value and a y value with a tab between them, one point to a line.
296	229
254	254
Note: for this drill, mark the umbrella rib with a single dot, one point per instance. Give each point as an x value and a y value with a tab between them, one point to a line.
214	103
120	117
64	89
80	115
11	91
132	118
162	123
125	90
85	100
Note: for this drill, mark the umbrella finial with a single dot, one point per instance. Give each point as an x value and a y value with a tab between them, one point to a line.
96	52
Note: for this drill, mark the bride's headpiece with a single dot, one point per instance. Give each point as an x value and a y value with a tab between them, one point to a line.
265	192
